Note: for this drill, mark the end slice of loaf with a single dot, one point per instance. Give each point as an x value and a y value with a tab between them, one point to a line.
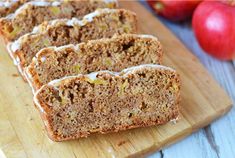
101	102
103	23
35	12
113	54
9	6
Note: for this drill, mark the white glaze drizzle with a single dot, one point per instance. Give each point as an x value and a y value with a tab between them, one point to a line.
28	77
6	4
16	60
110	1
74	21
76	47
43	59
89	17
35	99
56	3
126	71
134	68
14	46
92	76
34	3
35	29
64	47
57	81
38	3
148	36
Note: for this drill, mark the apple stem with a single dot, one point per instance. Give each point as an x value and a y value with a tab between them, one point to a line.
159	6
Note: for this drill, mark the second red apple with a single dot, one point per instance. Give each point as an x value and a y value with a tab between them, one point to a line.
174	10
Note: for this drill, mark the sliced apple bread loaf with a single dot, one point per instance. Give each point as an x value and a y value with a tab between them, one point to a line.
105	101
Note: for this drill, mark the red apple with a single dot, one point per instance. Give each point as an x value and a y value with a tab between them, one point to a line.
214	27
174	10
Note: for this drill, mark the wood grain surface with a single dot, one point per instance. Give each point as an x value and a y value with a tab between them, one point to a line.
22	133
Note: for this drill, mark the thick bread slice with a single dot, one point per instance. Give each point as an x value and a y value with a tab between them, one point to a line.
102	102
103	23
34	13
113	54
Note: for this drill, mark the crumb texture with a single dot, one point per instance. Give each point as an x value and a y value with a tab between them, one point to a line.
78	106
34	13
112	54
104	25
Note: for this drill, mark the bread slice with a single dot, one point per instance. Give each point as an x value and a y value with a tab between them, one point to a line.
9	6
35	12
113	54
99	24
105	101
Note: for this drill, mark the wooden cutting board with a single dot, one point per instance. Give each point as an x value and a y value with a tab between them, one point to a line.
22	133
